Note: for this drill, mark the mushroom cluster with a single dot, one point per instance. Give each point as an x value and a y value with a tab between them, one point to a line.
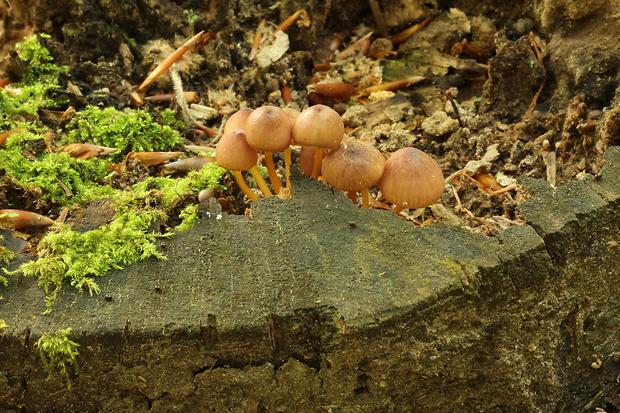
409	178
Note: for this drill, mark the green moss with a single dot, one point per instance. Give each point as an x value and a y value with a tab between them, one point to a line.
6	255
189	215
59	354
65	255
174	190
55	176
40	66
130	40
171	118
80	257
40	76
417	62
29	100
136	130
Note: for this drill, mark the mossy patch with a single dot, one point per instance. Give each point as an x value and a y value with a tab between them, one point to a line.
59	354
66	254
41	74
56	177
6	255
30	161
209	176
40	61
135	130
188	217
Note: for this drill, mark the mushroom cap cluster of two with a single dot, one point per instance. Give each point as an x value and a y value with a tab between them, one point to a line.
410	178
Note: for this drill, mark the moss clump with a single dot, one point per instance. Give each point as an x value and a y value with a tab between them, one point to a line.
188	215
79	257
55	176
29	162
65	254
59	354
209	176
40	66
6	255
174	190
41	75
136	130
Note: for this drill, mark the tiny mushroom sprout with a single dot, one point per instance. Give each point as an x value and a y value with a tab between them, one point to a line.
234	153
320	127
268	129
411	179
353	167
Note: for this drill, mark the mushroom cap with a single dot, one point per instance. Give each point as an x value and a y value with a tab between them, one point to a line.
411	179
355	165
234	153
268	128
318	126
237	120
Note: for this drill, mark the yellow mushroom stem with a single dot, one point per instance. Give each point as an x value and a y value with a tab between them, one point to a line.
365	198
260	181
244	187
352	195
318	160
398	208
271	169
287	167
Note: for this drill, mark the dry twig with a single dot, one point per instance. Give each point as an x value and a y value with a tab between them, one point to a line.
486	188
530	108
407	33
200	38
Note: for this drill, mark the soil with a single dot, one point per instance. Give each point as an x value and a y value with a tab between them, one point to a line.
508	91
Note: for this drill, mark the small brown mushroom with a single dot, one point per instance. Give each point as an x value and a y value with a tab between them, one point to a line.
234	153
268	129
292	113
320	127
354	166
205	195
411	179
